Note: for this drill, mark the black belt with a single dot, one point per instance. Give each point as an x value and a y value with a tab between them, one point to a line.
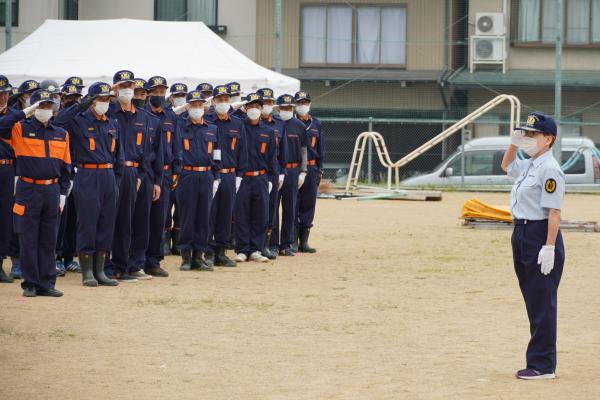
527	221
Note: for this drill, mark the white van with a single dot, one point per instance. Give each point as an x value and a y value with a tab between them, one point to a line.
482	159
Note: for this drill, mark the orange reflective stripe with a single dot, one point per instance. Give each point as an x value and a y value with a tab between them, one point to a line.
233	142
138	139
19	209
113	145
168	136
314	141
92	144
186	144
263	148
210	147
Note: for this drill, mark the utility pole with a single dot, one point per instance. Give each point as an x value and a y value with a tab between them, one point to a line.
8	24
278	36
558	79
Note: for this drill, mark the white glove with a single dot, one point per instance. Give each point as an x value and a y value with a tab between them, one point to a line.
516	138
281	179
138	184
70	188
61	202
546	259
238	104
238	182
216	187
301	179
270	187
16	180
181	109
31	109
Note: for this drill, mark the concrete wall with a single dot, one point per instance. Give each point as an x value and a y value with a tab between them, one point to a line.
32	14
239	16
111	9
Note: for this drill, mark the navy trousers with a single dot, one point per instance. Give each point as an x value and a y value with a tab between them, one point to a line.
66	240
158	216
307	198
539	291
194	198
141	226
95	193
7	181
172	221
251	214
36	218
289	202
221	213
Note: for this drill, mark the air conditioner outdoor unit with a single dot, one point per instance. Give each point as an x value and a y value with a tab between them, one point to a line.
488	49
489	24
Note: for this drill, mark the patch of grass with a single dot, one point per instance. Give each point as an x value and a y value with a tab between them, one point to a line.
61	334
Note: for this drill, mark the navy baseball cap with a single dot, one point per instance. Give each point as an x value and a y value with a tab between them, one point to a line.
4	84
69	89
41	96
156	81
178	88
266	93
74	80
219	90
301	95
285	100
28	86
254	98
538	122
50	86
234	88
99	89
140	83
123	76
205	87
195	95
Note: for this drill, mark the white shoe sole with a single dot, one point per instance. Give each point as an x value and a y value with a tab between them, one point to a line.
537	378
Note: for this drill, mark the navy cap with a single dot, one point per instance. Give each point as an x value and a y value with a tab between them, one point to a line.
99	89
194	95
285	100
205	87
42	96
301	95
234	88
156	81
69	89
140	83
178	88
254	98
266	93
28	86
538	122
4	84
15	90
219	90
50	86
123	76
75	80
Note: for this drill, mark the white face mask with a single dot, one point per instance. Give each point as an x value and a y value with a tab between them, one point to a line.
43	115
236	99
286	115
530	146
56	105
178	101
222	108
27	102
303	109
196	113
101	107
267	110
125	95
253	113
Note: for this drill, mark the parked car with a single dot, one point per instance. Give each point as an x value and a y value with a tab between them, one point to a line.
482	159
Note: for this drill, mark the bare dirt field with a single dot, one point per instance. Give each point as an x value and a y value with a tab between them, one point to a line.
399	303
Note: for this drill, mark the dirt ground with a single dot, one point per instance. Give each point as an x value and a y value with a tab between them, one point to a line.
399	303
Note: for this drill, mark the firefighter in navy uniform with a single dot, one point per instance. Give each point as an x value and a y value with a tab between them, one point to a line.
43	167
171	168
271	248
233	162
97	153
200	155
235	92
294	135
251	212
307	195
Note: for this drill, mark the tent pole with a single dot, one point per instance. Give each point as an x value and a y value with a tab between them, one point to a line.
278	36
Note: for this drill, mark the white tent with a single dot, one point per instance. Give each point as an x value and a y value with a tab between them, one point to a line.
186	52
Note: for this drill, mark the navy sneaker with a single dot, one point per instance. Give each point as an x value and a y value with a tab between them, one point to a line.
60	268
532	375
15	271
73	266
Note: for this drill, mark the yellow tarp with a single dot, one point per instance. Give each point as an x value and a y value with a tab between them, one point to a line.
475	208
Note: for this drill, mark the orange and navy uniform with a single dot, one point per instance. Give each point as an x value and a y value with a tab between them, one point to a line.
42	152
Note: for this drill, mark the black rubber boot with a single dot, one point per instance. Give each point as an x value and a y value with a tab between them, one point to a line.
99	274
304	247
186	260
174	241
87	270
3	277
294	245
266	251
199	263
221	260
166	249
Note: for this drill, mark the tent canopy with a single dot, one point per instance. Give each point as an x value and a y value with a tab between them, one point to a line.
187	52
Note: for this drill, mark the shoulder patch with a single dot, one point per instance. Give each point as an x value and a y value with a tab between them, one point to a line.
550	185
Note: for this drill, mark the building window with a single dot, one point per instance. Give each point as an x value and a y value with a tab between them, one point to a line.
353	36
536	21
186	10
69	9
15	13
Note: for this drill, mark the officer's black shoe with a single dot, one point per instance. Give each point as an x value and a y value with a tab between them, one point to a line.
221	260
29	292
304	247
87	270
49	292
199	263
287	253
186	260
174	240
156	271
3	277
166	249
99	271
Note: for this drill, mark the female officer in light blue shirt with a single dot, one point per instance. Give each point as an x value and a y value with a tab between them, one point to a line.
538	250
